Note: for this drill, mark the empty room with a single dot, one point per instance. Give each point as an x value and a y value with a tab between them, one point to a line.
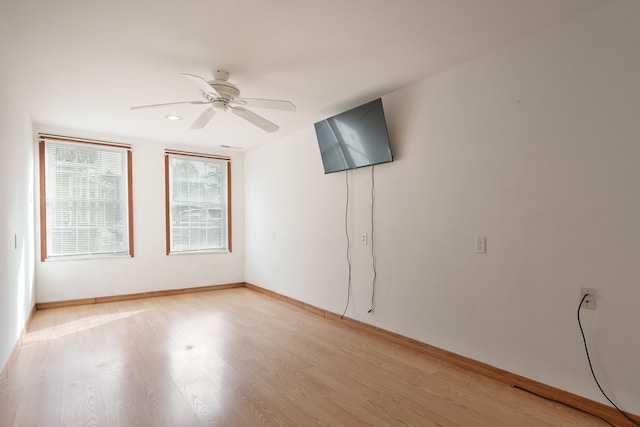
334	213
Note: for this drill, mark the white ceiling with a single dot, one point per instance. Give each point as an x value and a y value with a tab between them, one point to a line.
82	63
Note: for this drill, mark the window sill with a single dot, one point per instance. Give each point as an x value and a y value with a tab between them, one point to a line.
202	252
85	257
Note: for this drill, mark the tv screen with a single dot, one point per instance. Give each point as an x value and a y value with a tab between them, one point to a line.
354	139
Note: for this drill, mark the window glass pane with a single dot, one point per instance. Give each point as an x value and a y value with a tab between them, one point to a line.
86	199
197	204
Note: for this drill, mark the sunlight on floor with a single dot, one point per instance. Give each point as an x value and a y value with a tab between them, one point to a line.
73	326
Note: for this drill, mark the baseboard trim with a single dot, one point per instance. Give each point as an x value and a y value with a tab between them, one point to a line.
4	373
141	295
527	384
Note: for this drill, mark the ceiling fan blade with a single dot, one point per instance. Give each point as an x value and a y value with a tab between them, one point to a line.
202	84
255	119
274	104
203	119
168	103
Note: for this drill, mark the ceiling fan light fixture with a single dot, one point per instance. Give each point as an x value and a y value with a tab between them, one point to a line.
172	117
219	105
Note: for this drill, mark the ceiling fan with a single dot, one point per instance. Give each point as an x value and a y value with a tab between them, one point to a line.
222	95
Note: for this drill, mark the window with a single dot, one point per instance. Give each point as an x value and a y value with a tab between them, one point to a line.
85	198
198	194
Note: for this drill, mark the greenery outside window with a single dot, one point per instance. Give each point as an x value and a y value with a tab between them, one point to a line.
85	198
198	202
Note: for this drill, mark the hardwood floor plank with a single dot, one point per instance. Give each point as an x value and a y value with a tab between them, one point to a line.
82	404
258	407
236	357
9	401
208	403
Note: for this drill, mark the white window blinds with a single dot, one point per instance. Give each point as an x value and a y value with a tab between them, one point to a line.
87	198
197	203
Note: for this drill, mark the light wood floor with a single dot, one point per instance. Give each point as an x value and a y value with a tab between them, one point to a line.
239	358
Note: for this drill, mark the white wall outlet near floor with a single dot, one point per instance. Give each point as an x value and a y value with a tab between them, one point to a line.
481	245
590	301
364	238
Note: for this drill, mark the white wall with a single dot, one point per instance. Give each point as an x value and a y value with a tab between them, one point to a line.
535	146
16	216
150	269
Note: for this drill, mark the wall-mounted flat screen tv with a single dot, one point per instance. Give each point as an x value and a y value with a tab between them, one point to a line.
354	139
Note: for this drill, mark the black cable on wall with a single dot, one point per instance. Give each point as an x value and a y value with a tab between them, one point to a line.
346	230
593	374
373	241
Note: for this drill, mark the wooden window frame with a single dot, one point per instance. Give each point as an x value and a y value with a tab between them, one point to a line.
42	138
229	230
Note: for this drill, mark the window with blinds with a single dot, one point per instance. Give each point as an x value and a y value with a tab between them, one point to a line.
85	188
198	188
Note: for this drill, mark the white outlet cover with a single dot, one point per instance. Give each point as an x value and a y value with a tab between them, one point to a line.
590	301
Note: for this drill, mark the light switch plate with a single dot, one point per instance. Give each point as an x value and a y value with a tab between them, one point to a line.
481	245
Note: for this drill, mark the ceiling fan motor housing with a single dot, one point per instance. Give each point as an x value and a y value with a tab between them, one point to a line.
221	84
225	89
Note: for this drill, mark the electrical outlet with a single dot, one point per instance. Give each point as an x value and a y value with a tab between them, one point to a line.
363	238
590	301
480	244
